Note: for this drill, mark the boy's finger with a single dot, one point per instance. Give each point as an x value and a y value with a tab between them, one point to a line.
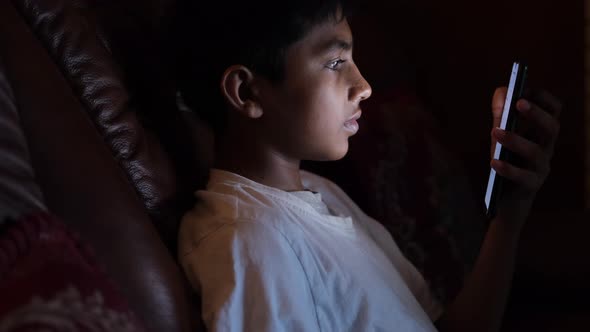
548	102
498	105
545	123
525	178
529	151
493	145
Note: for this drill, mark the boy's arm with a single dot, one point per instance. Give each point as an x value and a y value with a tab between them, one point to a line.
250	279
480	305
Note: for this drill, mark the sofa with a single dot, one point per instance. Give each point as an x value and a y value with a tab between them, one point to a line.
100	172
116	156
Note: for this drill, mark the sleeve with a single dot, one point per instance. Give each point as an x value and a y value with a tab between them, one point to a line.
250	279
413	278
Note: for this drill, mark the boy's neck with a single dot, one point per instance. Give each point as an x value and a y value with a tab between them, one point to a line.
259	163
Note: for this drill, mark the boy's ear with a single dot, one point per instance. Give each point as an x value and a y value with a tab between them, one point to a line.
240	91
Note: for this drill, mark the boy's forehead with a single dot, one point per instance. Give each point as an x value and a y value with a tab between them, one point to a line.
327	36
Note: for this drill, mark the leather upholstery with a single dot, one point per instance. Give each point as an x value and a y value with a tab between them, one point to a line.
79	48
67	113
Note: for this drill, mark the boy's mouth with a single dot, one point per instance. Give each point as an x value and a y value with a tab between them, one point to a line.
351	124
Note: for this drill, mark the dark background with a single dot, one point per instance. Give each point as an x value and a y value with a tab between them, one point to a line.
454	53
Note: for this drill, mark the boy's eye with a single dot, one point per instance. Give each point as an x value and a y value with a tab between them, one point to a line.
334	64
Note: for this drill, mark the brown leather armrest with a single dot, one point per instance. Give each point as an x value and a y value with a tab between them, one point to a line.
85	187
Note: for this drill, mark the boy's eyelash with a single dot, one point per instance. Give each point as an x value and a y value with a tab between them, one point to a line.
334	64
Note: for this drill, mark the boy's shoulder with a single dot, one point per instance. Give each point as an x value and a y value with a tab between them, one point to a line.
230	196
233	202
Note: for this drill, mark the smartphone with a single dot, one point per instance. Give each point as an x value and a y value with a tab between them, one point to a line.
497	184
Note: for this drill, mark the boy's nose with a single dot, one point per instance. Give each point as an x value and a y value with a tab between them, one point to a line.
361	90
366	89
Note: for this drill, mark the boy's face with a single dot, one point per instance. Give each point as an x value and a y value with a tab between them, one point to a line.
312	112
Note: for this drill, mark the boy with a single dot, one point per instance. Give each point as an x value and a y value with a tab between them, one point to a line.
273	248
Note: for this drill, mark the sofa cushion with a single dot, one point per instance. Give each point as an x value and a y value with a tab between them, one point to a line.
82	182
73	294
134	108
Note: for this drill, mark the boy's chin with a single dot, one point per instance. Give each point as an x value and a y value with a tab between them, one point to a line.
333	154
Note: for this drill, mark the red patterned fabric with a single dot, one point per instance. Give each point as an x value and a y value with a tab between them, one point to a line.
49	281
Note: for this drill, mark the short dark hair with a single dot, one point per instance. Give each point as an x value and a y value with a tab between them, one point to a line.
253	33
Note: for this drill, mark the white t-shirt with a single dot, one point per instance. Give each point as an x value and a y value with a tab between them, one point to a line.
264	259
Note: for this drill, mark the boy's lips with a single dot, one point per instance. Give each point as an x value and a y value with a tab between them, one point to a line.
351	124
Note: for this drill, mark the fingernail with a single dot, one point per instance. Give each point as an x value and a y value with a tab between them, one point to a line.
499	133
495	164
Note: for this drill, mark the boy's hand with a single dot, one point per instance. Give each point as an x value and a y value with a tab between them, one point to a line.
538	123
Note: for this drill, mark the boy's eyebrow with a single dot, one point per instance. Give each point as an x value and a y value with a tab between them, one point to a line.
335	44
